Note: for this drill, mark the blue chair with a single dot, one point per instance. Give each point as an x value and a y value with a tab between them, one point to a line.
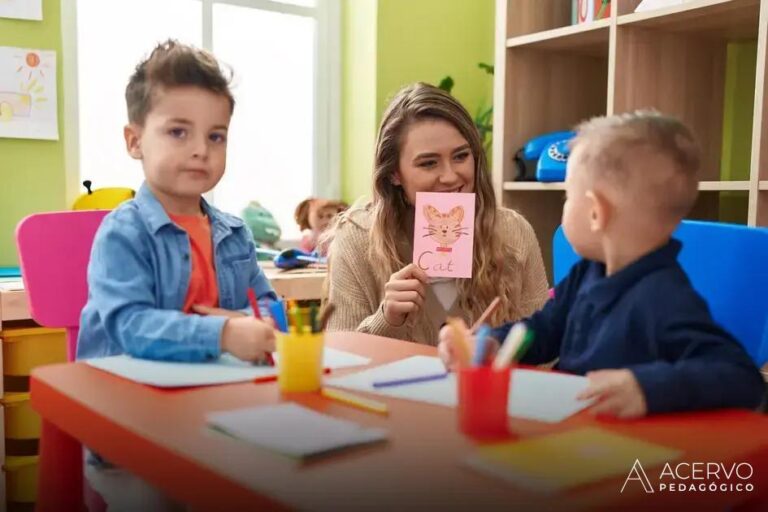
727	264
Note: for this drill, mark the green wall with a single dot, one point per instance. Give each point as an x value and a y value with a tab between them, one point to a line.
391	43
739	103
31	171
429	39
358	123
741	64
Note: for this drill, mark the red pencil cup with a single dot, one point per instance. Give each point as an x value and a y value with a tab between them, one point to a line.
483	396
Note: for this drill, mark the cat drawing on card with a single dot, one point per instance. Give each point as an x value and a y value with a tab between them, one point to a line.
444	228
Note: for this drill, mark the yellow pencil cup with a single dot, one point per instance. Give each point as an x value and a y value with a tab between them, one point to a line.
300	362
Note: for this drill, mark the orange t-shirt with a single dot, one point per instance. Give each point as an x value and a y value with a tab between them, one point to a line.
202	289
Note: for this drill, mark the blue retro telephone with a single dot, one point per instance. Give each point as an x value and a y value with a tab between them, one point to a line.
528	158
553	161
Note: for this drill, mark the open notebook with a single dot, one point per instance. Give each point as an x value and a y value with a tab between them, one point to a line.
538	395
293	430
227	369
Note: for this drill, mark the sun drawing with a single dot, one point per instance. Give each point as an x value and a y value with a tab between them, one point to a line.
31	91
30	64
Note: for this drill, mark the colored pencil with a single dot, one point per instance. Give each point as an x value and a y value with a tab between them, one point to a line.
355	401
325	315
409	380
481	345
486	314
511	345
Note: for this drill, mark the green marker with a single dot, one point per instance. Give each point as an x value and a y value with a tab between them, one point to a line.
524	346
297	318
313	318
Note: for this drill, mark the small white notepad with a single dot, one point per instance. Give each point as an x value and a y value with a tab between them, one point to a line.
537	395
293	430
227	369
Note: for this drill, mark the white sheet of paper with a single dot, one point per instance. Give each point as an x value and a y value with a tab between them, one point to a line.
293	430
545	396
438	392
537	395
28	93
227	369
22	9
650	5
8	284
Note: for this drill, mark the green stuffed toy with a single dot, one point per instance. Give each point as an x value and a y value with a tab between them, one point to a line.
266	231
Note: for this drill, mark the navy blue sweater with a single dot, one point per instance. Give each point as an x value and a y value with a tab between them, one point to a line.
646	318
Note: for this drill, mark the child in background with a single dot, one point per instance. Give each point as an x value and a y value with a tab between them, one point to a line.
314	216
627	315
169	274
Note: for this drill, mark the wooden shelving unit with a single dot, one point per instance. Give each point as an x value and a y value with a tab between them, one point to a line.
550	75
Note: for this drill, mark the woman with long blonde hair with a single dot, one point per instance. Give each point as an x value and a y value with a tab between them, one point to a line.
427	142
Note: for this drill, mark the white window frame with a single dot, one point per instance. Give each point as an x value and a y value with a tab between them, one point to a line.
326	175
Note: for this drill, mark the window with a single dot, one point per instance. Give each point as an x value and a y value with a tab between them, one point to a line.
109	45
284	133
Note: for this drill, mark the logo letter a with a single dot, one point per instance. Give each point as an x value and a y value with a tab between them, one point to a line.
638	473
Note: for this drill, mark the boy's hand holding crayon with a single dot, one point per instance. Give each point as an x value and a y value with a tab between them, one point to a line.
248	338
459	345
451	349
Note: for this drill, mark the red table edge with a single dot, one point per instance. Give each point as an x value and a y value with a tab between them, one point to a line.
61	453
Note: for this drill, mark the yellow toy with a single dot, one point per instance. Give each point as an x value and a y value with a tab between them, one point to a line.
103	198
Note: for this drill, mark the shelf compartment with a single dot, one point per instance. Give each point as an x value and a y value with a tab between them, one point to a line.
723	19
586	38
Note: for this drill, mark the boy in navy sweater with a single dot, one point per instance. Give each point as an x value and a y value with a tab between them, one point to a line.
627	315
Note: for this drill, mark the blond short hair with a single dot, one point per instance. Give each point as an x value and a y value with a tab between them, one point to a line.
653	157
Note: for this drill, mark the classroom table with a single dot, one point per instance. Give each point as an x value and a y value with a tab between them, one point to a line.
161	435
298	284
13	301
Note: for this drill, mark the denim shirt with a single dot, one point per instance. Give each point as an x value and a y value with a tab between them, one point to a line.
138	278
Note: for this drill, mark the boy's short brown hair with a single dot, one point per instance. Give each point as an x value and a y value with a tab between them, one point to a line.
172	64
652	157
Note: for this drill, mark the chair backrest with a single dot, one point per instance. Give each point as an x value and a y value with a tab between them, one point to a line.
727	264
54	249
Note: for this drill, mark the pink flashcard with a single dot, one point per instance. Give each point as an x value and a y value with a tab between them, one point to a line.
443	233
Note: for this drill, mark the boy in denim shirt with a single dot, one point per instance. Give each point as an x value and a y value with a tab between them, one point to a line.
168	272
166	265
627	315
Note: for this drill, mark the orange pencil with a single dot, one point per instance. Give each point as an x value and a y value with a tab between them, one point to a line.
486	314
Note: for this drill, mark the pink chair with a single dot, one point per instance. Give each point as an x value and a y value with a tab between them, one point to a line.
54	249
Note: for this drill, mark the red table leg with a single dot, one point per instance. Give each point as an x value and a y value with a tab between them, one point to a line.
60	473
